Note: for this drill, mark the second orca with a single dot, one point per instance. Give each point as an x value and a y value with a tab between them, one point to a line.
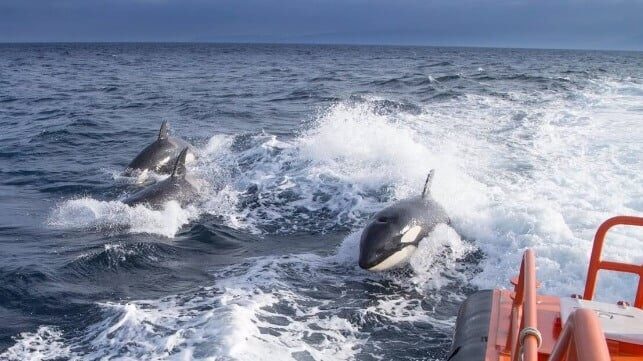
178	187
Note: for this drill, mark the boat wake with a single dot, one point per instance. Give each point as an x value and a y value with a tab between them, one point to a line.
521	169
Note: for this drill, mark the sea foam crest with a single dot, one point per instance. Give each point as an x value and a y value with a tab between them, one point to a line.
115	216
46	343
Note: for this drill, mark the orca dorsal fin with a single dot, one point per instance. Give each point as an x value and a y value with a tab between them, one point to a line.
164	133
179	166
426	192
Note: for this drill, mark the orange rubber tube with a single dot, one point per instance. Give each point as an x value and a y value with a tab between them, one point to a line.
582	339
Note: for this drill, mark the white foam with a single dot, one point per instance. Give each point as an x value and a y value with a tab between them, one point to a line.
114	215
435	263
226	322
544	180
46	343
530	170
329	176
544	184
255	311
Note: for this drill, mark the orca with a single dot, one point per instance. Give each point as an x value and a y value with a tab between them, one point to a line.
161	155
178	187
392	235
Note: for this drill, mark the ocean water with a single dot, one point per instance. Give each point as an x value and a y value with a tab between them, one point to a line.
297	146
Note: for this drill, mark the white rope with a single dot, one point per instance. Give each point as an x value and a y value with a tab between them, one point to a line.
530	331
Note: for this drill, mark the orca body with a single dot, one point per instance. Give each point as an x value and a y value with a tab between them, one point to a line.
161	155
392	235
178	187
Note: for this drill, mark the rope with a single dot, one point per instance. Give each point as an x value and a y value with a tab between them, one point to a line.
530	331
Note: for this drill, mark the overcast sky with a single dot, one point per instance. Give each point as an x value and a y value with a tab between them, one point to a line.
584	24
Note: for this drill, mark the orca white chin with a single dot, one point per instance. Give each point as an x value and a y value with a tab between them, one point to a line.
395	260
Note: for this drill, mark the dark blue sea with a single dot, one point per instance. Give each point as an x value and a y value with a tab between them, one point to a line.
298	145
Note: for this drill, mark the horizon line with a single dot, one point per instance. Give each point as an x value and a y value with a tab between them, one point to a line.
311	43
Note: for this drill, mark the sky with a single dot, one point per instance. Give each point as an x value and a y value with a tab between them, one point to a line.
569	24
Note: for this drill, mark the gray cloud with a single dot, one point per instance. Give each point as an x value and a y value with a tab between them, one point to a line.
516	23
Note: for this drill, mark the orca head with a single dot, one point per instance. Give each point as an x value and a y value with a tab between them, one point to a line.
387	243
393	234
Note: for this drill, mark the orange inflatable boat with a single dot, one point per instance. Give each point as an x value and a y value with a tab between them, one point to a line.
524	325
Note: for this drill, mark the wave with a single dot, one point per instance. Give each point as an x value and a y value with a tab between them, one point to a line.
441	63
528	169
525	170
114	216
19	285
8	99
264	308
326	78
330	177
45	344
450	77
116	257
526	156
394	82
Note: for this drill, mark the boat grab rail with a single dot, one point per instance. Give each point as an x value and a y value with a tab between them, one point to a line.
525	337
596	264
582	339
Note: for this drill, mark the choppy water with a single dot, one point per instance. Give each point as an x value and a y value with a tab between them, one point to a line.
298	145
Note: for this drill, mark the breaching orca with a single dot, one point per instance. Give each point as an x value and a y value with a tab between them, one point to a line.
393	233
161	155
178	186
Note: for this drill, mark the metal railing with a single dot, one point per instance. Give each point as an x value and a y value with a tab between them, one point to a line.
582	339
525	338
596	264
